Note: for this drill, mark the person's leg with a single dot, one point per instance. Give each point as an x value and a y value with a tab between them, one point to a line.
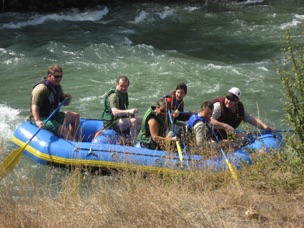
129	124
53	126
72	120
123	124
135	127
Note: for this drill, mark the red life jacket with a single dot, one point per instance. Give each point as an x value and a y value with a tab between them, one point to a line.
173	105
228	117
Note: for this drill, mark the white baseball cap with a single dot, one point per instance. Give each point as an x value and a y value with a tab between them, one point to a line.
235	91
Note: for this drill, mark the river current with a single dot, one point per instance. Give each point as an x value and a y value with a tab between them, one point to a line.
210	47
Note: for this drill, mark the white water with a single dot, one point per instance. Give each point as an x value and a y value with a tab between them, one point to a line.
211	48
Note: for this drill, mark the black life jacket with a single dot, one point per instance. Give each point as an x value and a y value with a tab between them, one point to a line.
49	105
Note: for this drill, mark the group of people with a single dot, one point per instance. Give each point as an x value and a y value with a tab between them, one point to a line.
162	123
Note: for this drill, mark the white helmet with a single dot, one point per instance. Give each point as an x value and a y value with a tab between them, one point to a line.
236	91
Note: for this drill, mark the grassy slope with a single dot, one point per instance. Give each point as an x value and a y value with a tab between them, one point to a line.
270	194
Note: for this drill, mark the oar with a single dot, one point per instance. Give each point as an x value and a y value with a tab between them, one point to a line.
231	168
14	157
179	149
263	131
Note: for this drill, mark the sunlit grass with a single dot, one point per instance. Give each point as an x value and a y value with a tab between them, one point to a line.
270	194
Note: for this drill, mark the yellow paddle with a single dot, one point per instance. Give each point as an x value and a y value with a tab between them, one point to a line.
14	157
230	167
179	149
180	154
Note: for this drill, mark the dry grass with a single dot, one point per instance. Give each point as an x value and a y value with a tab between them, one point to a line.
269	194
133	199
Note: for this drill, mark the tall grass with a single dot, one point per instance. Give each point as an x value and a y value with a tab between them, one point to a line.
266	197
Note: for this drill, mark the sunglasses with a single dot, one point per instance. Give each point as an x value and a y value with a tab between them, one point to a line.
231	99
57	77
162	110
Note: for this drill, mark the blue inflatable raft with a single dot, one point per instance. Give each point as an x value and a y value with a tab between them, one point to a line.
47	148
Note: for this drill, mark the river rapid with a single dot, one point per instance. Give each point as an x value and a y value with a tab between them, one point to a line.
210	47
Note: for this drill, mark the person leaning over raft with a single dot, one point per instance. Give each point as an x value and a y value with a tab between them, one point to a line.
46	95
229	112
199	124
153	127
116	114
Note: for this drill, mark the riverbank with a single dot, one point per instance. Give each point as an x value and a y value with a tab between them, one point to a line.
59	5
269	194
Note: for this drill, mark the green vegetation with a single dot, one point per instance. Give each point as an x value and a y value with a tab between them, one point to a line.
292	77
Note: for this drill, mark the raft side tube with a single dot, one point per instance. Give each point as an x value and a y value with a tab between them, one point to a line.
267	142
88	128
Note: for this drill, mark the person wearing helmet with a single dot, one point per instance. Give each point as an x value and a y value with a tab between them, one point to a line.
229	112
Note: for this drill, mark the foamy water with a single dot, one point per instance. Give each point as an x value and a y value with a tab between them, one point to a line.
39	19
9	120
210	47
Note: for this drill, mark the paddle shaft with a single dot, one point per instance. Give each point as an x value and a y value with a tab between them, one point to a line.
263	131
230	167
179	149
47	120
13	158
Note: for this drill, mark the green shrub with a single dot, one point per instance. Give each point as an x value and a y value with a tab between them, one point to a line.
291	73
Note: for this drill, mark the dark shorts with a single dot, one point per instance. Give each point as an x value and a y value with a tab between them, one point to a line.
54	124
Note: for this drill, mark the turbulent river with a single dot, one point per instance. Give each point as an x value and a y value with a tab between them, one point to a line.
210	47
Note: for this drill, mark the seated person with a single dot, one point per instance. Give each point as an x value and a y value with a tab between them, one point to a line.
176	103
152	134
200	127
46	96
116	114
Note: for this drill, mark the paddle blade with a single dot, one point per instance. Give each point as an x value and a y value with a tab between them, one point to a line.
10	161
180	154
232	171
